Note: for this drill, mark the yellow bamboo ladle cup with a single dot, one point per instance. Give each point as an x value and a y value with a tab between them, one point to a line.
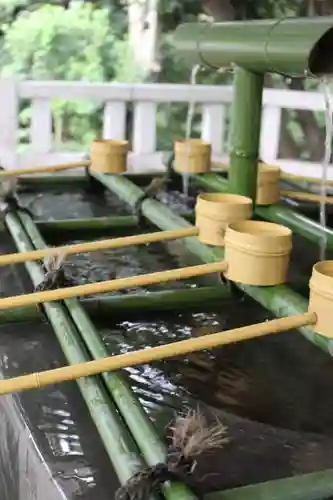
175	349
15	172
93	246
256	253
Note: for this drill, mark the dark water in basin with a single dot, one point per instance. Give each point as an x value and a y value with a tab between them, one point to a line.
272	393
55	204
78	203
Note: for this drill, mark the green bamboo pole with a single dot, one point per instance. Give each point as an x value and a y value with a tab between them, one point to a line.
280	300
86	224
141	427
245	132
94	223
90	224
312	486
49	182
297	222
54	181
104	307
118	443
153	210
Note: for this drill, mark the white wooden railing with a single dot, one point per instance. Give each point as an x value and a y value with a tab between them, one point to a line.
214	101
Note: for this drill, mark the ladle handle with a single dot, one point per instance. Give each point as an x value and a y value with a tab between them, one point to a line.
93	246
112	285
175	349
15	172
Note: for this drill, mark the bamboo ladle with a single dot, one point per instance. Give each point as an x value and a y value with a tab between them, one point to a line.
15	172
283	175
112	285
175	349
93	246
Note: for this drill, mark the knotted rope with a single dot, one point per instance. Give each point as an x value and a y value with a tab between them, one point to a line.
150	192
55	274
190	438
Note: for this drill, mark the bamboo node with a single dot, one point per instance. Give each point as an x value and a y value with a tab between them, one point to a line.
190	437
55	276
37	380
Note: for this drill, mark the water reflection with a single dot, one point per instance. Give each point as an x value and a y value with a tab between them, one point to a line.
271	392
77	203
57	417
55	204
124	262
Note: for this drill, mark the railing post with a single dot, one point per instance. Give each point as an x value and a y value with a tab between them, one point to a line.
41	126
144	133
270	133
9	121
213	126
114	122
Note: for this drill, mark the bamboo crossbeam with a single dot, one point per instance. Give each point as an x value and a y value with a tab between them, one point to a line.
15	172
112	285
307	196
93	246
143	356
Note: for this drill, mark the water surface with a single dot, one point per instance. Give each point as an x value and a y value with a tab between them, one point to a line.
272	393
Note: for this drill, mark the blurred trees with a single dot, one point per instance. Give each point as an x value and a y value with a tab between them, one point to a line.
128	41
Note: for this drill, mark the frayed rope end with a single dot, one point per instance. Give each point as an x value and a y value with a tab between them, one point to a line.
55	276
191	436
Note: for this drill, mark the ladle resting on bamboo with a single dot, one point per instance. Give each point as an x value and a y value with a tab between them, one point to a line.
41	379
93	246
112	285
43	169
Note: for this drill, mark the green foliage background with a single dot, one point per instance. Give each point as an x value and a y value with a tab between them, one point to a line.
87	41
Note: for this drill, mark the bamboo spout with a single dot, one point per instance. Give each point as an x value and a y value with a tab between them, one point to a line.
93	246
112	285
43	169
41	379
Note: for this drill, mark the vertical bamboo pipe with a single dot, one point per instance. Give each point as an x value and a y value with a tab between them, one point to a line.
245	132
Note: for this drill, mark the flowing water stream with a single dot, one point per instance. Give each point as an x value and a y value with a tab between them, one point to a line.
325	84
189	122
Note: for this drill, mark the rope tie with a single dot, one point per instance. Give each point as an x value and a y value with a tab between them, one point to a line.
150	192
55	275
168	181
190	437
